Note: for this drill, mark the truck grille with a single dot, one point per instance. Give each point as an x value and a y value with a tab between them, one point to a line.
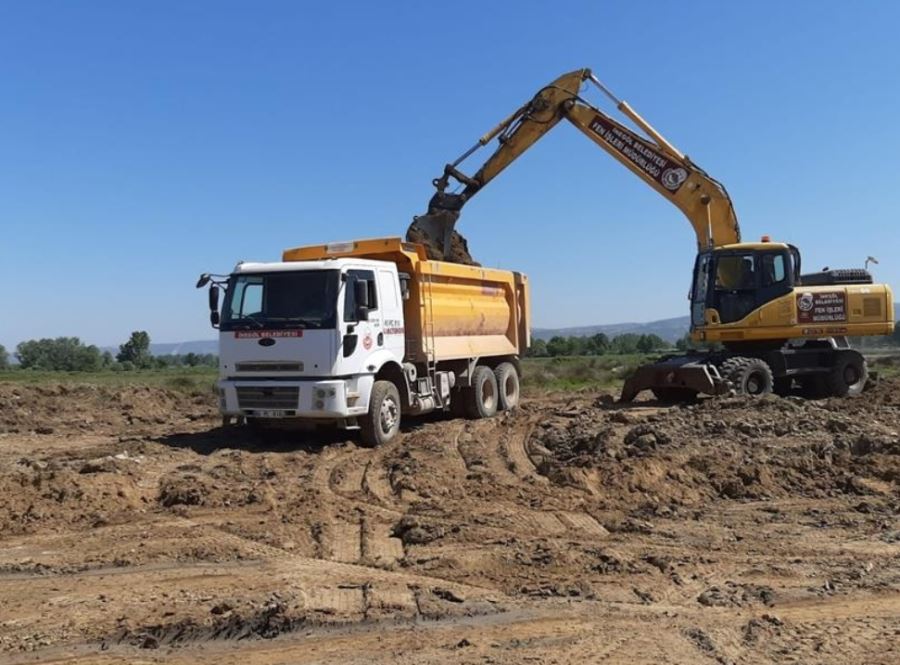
278	397
269	367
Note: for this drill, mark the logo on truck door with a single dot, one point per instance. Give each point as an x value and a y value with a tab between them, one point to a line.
367	341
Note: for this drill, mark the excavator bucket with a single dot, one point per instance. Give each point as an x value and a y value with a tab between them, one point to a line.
675	376
435	231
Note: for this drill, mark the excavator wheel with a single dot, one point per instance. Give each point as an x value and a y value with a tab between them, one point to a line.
848	375
748	376
674	395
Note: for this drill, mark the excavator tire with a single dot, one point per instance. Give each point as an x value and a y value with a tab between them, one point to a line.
848	375
674	395
507	385
748	376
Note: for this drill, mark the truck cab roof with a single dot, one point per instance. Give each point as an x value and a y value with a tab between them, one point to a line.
249	267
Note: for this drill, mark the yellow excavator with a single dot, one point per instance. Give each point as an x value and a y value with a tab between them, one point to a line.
768	327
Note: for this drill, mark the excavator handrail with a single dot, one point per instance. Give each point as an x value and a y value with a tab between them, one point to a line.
701	198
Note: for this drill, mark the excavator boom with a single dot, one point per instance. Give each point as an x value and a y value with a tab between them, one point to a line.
657	162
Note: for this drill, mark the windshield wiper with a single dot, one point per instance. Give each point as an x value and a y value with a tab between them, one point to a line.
293	320
248	317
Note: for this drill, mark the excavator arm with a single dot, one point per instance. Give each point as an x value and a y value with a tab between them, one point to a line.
703	200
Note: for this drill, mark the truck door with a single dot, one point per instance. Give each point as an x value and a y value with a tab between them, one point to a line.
392	334
362	333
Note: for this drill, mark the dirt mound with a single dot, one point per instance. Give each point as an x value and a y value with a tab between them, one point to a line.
59	408
734	448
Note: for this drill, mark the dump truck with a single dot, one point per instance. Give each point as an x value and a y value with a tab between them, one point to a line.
361	334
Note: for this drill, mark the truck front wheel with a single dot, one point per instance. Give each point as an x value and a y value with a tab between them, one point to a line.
480	398
382	422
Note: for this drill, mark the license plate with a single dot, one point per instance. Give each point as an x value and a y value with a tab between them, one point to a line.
270	413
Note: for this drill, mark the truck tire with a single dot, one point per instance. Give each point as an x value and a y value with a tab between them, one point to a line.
382	422
507	386
674	394
480	398
848	375
748	376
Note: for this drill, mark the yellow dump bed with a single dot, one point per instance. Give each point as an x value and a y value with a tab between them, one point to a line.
454	310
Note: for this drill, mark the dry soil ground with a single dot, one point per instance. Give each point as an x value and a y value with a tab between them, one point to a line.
733	531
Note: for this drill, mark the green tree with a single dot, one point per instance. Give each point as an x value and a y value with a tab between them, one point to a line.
67	354
683	343
625	343
648	343
4	358
136	350
598	344
559	346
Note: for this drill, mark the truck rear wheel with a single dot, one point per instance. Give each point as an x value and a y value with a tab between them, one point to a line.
507	386
748	376
480	398
848	375
382	422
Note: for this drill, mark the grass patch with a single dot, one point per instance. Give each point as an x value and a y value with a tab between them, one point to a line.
579	372
184	379
886	364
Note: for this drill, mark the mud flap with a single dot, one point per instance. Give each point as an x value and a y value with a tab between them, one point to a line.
678	372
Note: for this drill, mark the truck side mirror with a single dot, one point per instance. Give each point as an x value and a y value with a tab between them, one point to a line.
361	296
214	306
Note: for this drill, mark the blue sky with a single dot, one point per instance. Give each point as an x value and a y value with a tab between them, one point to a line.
146	142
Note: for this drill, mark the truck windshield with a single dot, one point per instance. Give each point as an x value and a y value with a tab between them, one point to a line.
281	300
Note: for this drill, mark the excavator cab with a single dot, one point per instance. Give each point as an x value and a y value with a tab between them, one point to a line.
733	280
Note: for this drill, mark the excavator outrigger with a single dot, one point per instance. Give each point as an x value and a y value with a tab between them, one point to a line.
770	325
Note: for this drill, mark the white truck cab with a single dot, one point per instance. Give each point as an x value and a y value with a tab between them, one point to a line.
295	340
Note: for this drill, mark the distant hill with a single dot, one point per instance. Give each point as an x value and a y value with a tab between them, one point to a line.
669	329
180	348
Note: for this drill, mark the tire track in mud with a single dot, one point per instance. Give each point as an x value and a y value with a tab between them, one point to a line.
479	446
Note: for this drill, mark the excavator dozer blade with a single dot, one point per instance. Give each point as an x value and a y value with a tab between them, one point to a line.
678	373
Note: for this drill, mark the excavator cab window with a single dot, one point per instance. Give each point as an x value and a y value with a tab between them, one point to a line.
746	280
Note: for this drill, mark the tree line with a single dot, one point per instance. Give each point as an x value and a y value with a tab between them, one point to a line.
70	354
596	345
